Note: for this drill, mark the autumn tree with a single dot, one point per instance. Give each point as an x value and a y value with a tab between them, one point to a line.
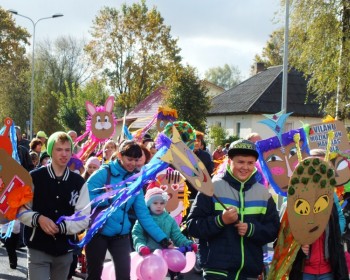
226	76
14	71
189	97
133	49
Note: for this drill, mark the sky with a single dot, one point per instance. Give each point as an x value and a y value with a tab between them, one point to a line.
210	33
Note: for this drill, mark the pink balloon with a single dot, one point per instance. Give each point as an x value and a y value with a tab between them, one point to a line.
175	260
190	262
108	272
135	261
153	267
158	252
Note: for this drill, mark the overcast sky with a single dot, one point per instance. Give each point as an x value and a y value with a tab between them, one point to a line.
210	32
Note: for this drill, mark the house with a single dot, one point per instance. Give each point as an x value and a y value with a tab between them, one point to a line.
144	112
240	109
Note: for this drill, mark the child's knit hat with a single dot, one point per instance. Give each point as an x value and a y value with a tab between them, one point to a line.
94	161
154	194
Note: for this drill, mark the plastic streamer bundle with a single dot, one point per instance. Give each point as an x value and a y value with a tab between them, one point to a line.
135	184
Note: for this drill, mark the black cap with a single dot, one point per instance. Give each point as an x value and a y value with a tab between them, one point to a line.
242	147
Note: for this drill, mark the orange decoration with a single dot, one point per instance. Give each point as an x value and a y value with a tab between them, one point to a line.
17	198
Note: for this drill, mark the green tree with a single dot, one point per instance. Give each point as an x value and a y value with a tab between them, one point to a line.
218	135
71	106
226	76
272	53
189	97
320	48
133	49
14	71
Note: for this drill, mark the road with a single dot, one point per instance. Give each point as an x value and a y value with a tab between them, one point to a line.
6	273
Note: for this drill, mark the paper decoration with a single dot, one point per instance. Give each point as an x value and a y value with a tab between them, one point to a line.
15	181
190	166
318	136
164	116
276	123
100	126
310	199
278	161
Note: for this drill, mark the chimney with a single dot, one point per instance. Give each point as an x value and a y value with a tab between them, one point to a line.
259	67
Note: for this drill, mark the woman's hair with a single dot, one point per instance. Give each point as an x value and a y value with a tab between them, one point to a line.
110	142
129	148
146	152
34	143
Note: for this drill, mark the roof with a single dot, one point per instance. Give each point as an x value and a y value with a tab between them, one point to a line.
146	109
262	94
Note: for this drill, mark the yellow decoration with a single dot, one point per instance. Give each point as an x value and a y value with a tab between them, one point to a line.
328	118
296	139
329	143
168	111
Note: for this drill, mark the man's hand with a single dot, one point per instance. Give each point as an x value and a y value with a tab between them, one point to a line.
242	228
230	215
48	226
305	249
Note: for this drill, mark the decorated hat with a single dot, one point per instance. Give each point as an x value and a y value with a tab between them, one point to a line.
41	134
242	147
154	194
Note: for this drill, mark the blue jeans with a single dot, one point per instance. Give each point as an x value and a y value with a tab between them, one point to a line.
326	276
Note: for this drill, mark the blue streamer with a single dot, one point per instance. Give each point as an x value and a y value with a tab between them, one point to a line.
9	230
147	173
127	132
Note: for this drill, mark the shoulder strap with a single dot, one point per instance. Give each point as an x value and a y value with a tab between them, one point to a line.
108	180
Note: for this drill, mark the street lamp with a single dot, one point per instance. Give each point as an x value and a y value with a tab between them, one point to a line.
33	70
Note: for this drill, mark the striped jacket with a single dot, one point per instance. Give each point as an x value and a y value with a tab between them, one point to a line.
222	250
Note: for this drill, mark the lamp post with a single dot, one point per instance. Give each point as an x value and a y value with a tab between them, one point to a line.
33	67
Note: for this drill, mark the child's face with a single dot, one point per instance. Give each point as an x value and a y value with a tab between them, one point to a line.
157	207
91	168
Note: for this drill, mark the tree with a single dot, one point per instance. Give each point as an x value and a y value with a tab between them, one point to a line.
319	47
189	97
61	67
218	134
133	49
71	106
14	71
226	76
272	53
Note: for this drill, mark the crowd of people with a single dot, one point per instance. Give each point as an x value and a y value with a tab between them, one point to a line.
232	230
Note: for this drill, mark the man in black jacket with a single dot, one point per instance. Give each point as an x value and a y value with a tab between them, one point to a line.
57	192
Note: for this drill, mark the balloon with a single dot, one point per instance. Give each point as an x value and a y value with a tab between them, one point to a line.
158	252
190	262
153	267
135	261
175	260
108	271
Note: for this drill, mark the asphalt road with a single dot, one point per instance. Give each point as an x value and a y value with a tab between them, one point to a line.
6	273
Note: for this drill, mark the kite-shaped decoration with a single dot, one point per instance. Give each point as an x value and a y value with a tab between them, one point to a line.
276	122
190	166
310	199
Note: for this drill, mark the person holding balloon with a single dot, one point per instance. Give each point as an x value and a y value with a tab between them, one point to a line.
114	235
144	244
231	235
